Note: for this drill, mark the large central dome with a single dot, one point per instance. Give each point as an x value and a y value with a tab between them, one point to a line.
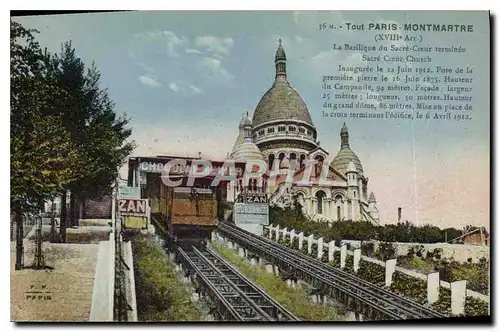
281	102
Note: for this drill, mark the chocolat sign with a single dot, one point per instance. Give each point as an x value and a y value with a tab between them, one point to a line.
179	169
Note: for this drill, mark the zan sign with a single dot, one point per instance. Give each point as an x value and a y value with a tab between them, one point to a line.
253	198
133	207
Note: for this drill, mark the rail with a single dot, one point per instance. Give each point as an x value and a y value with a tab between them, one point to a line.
333	280
235	297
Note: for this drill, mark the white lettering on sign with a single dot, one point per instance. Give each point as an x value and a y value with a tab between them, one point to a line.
187	169
132	206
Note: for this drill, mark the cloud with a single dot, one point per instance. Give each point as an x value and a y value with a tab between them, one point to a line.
156	42
173	42
173	86
145	67
213	67
216	45
149	81
196	90
192	51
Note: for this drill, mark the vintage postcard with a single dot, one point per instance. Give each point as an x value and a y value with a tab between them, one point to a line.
235	166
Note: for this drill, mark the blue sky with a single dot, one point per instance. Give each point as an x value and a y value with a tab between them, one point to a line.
186	78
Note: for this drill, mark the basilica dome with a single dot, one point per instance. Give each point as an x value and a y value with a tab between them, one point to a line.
346	155
281	101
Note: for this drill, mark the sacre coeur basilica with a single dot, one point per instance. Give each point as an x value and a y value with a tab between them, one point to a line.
281	132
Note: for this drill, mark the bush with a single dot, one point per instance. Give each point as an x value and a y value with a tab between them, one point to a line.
385	251
368	249
371	272
160	293
293	218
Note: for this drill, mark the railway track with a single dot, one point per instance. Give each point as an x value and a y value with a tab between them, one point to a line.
235	297
332	280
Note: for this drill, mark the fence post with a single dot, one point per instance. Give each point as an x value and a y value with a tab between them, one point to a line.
277	232
458	296
320	248
343	255
331	250
309	243
390	267
292	235
301	240
356	259
285	231
270	231
432	287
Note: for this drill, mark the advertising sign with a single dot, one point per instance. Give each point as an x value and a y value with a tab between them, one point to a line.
129	192
134	213
254	213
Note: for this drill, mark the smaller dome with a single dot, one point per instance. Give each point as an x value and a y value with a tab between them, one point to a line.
372	198
247	150
351	168
343	158
346	155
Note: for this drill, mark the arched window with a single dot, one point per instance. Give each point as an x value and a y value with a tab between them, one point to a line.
319	164
302	159
301	200
281	156
293	160
320	197
271	160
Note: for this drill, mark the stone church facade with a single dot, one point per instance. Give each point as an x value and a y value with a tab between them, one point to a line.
281	132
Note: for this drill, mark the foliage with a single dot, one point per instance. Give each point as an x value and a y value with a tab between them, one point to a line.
368	249
414	288
293	218
443	304
409	287
385	251
65	134
160	293
371	272
296	300
475	307
39	146
476	274
98	135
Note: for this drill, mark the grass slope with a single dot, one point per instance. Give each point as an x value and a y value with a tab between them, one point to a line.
296	300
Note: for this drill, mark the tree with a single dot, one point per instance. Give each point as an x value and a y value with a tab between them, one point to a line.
98	136
39	144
